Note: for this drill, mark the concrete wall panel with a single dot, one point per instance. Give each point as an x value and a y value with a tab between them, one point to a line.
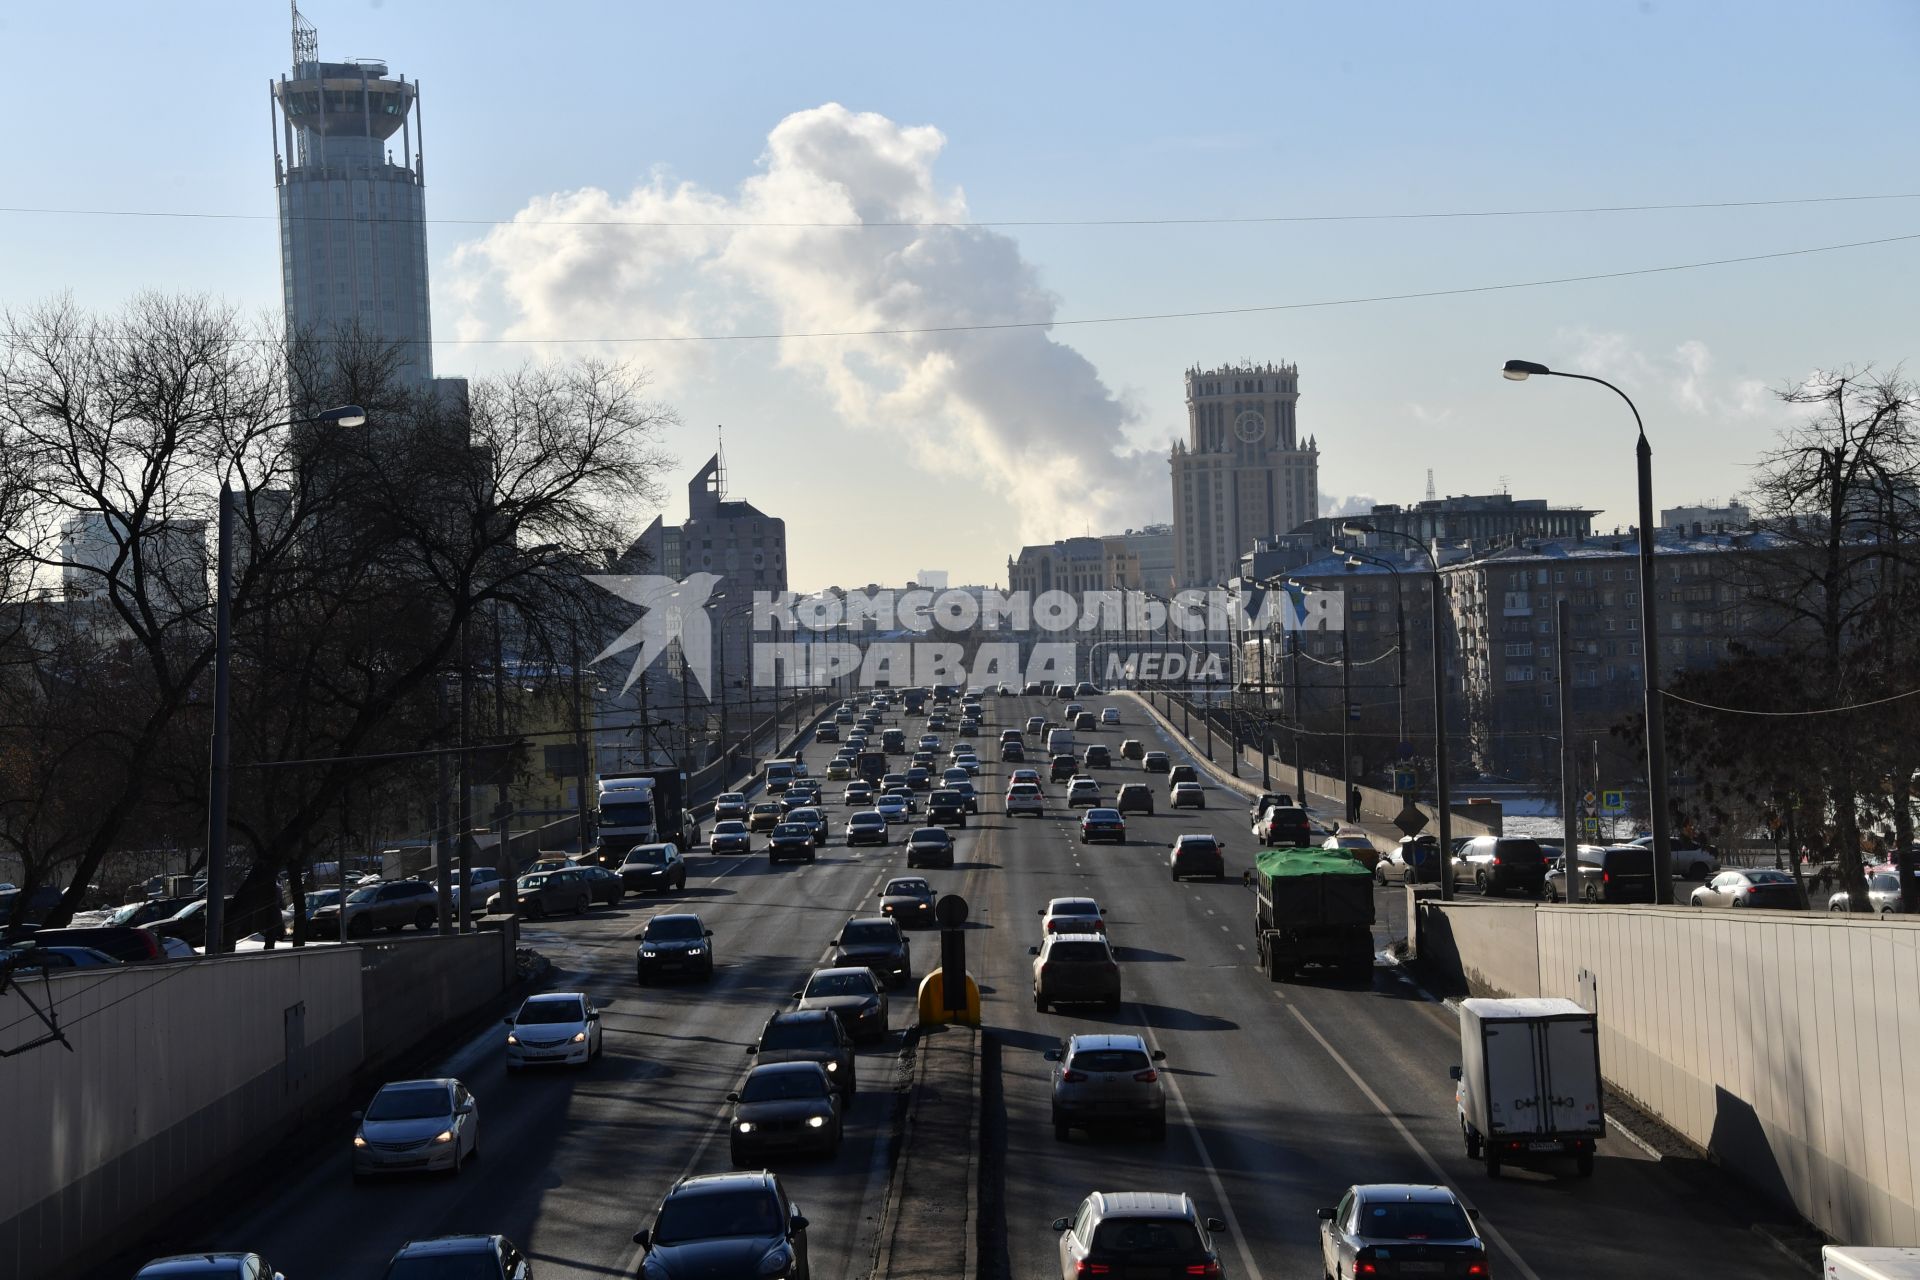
1786	1043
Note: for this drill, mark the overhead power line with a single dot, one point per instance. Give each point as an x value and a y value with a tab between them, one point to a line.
1812	711
1135	318
729	224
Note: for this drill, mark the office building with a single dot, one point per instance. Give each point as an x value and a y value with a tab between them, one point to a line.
1243	473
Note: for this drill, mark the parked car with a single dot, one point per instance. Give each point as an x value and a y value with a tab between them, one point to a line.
1187	795
729	1224
471	1257
416	1125
809	1035
783	1106
877	943
129	945
209	1266
1075	967
1499	865
1750	887
675	943
851	993
1692	860
908	900
559	1027
1107	1080
1120	1233
1883	895
656	868
548	893
1196	855
930	847
1400	1224
1609	873
30	956
390	904
1103	824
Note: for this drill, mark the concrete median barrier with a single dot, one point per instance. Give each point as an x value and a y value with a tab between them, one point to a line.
938	1167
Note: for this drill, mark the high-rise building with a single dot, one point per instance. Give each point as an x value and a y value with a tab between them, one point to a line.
1243	472
353	232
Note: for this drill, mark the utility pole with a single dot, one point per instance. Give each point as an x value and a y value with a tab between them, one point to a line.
465	838
1299	724
443	845
503	760
582	774
1266	718
1563	625
1346	719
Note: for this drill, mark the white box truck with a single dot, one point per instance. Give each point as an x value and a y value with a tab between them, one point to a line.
1860	1263
1528	1082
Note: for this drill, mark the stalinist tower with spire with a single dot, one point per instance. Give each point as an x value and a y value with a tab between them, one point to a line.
1243	472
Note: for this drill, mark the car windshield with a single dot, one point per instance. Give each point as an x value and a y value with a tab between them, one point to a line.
841	984
774	1086
1111	1060
533	882
865	820
1770	877
767	806
1171	1237
908	889
418	1102
1103	815
125	915
630	814
446	1266
1884	883
730	797
537	1012
1075	907
797	1033
364	895
732	827
793	831
868	935
654	856
1414	1220
1078	952
1203	844
708	1215
673	929
929	835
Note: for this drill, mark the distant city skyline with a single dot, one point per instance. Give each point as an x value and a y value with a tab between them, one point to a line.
987	440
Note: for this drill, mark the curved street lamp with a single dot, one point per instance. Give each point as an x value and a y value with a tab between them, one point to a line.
346	415
1520	371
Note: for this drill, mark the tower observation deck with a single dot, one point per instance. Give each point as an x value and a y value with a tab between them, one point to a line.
353	234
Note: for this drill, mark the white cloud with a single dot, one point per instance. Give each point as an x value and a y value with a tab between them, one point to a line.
1354	504
1685	376
1026	410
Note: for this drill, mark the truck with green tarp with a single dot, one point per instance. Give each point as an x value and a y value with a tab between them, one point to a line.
1312	906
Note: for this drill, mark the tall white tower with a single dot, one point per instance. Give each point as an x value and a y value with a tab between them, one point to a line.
1243	472
353	233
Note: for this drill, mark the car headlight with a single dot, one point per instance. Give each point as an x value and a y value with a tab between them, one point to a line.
579	1037
445	1135
745	1126
649	951
833	1066
777	1262
359	1141
512	1038
816	1122
696	951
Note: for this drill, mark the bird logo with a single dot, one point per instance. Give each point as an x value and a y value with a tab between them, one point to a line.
671	610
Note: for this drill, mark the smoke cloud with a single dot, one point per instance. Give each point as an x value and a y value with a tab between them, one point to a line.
1023	412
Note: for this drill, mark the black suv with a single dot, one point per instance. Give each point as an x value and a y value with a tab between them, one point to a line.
1060	768
735	1224
809	1035
877	943
1099	757
947	808
676	943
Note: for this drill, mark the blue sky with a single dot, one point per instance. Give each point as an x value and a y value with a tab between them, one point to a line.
889	457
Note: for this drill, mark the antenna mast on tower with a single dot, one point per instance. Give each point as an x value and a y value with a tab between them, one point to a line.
720	458
306	39
1431	496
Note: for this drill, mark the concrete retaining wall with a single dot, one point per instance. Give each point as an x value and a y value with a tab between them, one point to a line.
411	987
1787	1044
1483	948
174	1069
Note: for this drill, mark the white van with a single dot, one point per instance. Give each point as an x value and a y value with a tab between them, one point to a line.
1060	742
780	775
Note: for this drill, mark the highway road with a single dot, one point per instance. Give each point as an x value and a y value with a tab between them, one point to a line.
1280	1095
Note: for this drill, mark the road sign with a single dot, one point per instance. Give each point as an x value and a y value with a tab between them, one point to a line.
951	910
1613	802
1411	821
1404	781
1590	826
1588	799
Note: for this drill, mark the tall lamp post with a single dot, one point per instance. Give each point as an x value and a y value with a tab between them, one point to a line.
1520	371
346	415
1442	790
1346	706
1354	560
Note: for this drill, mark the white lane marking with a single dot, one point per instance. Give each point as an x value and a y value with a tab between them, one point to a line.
1433	1166
1247	1265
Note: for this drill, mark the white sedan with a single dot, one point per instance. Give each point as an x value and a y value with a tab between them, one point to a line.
559	1027
893	808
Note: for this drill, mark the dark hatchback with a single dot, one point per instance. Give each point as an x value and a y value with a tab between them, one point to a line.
877	943
791	842
728	1224
947	808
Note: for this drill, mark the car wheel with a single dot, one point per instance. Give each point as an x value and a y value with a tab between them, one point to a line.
538	909
1493	1163
641	976
1472	1141
1059	1132
1158	1129
424	920
1593	893
739	1155
1039	1004
1175	874
706	975
1583	1164
359	927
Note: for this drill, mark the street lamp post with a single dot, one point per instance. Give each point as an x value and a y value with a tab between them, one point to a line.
346	415
1354	560
1520	371
1442	790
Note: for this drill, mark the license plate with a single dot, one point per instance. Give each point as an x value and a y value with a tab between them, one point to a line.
1543	1146
1422	1268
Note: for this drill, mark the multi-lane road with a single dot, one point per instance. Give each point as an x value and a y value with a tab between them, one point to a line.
1279	1095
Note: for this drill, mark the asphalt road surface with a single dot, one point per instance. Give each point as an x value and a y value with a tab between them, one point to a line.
1280	1095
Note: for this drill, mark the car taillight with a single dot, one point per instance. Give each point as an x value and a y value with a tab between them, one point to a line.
1752	889
1496	859
1211	1267
1605	876
1477	1269
1146	1077
1085	1268
1071	1076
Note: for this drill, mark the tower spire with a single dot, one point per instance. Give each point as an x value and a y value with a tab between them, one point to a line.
1430	493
